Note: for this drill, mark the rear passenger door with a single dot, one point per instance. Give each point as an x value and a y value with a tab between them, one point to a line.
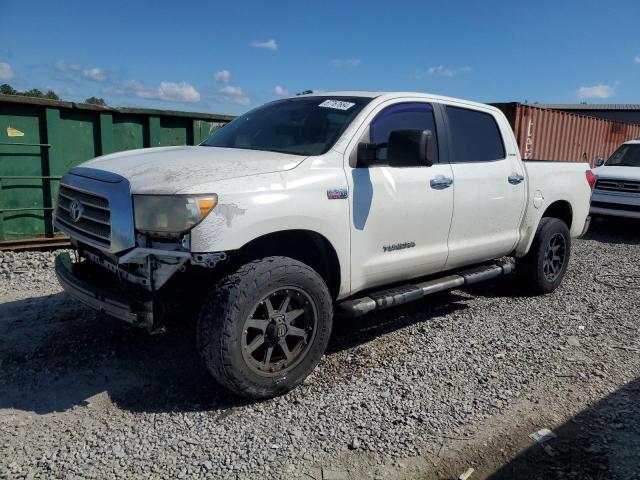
489	186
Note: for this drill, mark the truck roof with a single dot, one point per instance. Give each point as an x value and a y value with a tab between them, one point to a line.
390	95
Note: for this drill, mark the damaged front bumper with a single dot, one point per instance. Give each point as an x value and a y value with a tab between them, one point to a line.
76	282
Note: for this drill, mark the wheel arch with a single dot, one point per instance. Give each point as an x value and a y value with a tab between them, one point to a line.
307	246
562	210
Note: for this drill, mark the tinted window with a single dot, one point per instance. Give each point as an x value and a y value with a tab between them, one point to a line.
475	136
301	126
625	156
403	116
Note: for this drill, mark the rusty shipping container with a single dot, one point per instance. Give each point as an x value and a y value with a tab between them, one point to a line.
545	134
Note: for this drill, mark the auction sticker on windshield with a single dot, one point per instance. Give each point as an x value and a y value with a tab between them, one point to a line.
337	104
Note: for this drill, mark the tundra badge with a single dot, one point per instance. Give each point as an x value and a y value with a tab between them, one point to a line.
398	246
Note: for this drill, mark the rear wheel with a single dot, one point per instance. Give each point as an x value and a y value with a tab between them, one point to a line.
542	269
265	326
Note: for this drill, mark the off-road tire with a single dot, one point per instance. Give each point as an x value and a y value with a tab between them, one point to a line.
530	268
221	324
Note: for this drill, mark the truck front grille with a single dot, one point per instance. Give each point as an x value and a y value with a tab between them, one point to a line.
85	214
629	186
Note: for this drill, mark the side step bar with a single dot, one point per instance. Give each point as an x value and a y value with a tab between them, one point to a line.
408	293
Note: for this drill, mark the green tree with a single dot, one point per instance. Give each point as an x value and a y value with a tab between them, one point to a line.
96	101
52	95
34	92
7	89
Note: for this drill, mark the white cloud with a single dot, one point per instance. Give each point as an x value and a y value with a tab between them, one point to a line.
166	91
280	91
72	71
637	59
222	76
346	62
596	91
442	71
67	71
182	92
231	90
269	44
6	72
65	67
231	94
95	74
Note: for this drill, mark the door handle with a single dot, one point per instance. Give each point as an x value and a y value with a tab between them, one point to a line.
441	182
515	179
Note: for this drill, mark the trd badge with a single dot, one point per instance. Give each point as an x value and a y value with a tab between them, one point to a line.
337	193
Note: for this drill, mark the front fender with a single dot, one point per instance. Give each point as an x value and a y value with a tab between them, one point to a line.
295	200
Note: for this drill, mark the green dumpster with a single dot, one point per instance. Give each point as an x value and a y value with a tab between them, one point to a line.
41	139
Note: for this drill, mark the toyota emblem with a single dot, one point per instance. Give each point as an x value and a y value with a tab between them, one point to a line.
281	330
76	210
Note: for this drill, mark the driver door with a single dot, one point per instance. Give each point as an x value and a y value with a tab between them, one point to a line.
400	216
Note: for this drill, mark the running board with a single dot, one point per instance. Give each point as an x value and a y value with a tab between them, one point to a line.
408	293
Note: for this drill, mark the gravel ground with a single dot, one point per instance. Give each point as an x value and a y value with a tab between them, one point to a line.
83	396
23	272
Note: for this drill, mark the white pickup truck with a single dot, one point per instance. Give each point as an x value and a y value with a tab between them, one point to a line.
352	201
617	189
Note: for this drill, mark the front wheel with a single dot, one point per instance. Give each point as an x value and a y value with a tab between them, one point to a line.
542	269
265	326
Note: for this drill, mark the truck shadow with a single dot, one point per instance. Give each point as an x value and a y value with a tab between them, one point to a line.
351	332
56	355
600	442
505	286
614	230
604	230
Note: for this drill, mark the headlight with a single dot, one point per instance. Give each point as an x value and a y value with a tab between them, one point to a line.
171	215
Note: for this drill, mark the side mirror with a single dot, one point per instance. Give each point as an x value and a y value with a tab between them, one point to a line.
367	153
410	148
598	162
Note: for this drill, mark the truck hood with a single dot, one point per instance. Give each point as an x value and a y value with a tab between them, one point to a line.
168	170
618	173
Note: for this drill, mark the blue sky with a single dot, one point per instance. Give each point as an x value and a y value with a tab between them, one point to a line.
227	57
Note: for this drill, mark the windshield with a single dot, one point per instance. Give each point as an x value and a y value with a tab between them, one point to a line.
301	126
626	156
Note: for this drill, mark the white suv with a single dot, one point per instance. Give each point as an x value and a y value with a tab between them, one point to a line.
617	189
